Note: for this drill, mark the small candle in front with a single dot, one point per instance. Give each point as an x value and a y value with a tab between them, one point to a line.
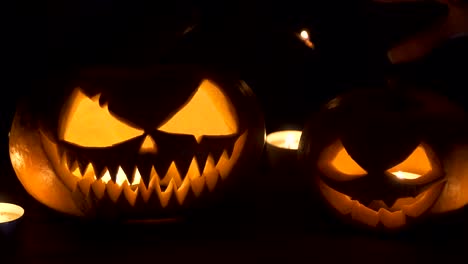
287	139
10	212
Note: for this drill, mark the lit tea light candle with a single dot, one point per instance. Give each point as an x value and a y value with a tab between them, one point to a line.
281	149
10	212
287	139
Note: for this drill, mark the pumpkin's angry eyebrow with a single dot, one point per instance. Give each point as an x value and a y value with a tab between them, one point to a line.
207	112
85	116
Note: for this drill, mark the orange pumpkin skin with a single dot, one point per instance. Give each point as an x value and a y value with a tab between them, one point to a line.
386	159
106	141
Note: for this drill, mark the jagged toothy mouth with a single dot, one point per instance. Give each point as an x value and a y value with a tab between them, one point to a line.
377	211
160	186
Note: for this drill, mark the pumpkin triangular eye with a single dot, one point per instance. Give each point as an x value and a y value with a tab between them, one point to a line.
208	112
414	166
85	123
345	164
337	164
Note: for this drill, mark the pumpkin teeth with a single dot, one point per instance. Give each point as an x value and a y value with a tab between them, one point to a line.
392	219
201	158
211	173
106	177
94	180
389	217
121	177
182	166
137	176
130	170
113	172
82	165
230	148
114	190
364	214
99	169
419	207
89	173
69	161
183	189
117	181
224	165
172	174
98	187
161	167
143	190
130	194
73	168
193	171
216	154
399	203
376	205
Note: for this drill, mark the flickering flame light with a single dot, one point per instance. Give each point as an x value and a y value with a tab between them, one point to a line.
304	36
10	212
287	139
406	175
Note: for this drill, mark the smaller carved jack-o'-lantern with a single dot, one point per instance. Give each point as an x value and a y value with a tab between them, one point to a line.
135	141
385	158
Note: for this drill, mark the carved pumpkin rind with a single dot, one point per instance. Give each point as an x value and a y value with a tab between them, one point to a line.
131	178
373	131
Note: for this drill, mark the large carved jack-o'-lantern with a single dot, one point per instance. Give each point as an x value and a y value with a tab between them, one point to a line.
135	141
387	158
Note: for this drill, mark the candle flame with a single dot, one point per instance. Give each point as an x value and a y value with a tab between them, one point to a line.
291	141
305	37
406	175
288	139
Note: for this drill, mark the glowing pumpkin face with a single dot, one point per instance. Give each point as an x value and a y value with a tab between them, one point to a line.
381	158
138	142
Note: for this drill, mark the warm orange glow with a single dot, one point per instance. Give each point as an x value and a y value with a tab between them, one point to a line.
136	178
10	212
413	167
305	37
455	194
304	34
171	185
287	139
209	112
345	164
393	217
148	145
406	175
106	177
87	124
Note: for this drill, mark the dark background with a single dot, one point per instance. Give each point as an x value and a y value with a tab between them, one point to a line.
257	41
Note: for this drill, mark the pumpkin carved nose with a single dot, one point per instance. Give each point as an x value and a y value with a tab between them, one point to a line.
148	145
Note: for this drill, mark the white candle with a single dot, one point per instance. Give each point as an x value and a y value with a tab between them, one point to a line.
10	212
286	139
